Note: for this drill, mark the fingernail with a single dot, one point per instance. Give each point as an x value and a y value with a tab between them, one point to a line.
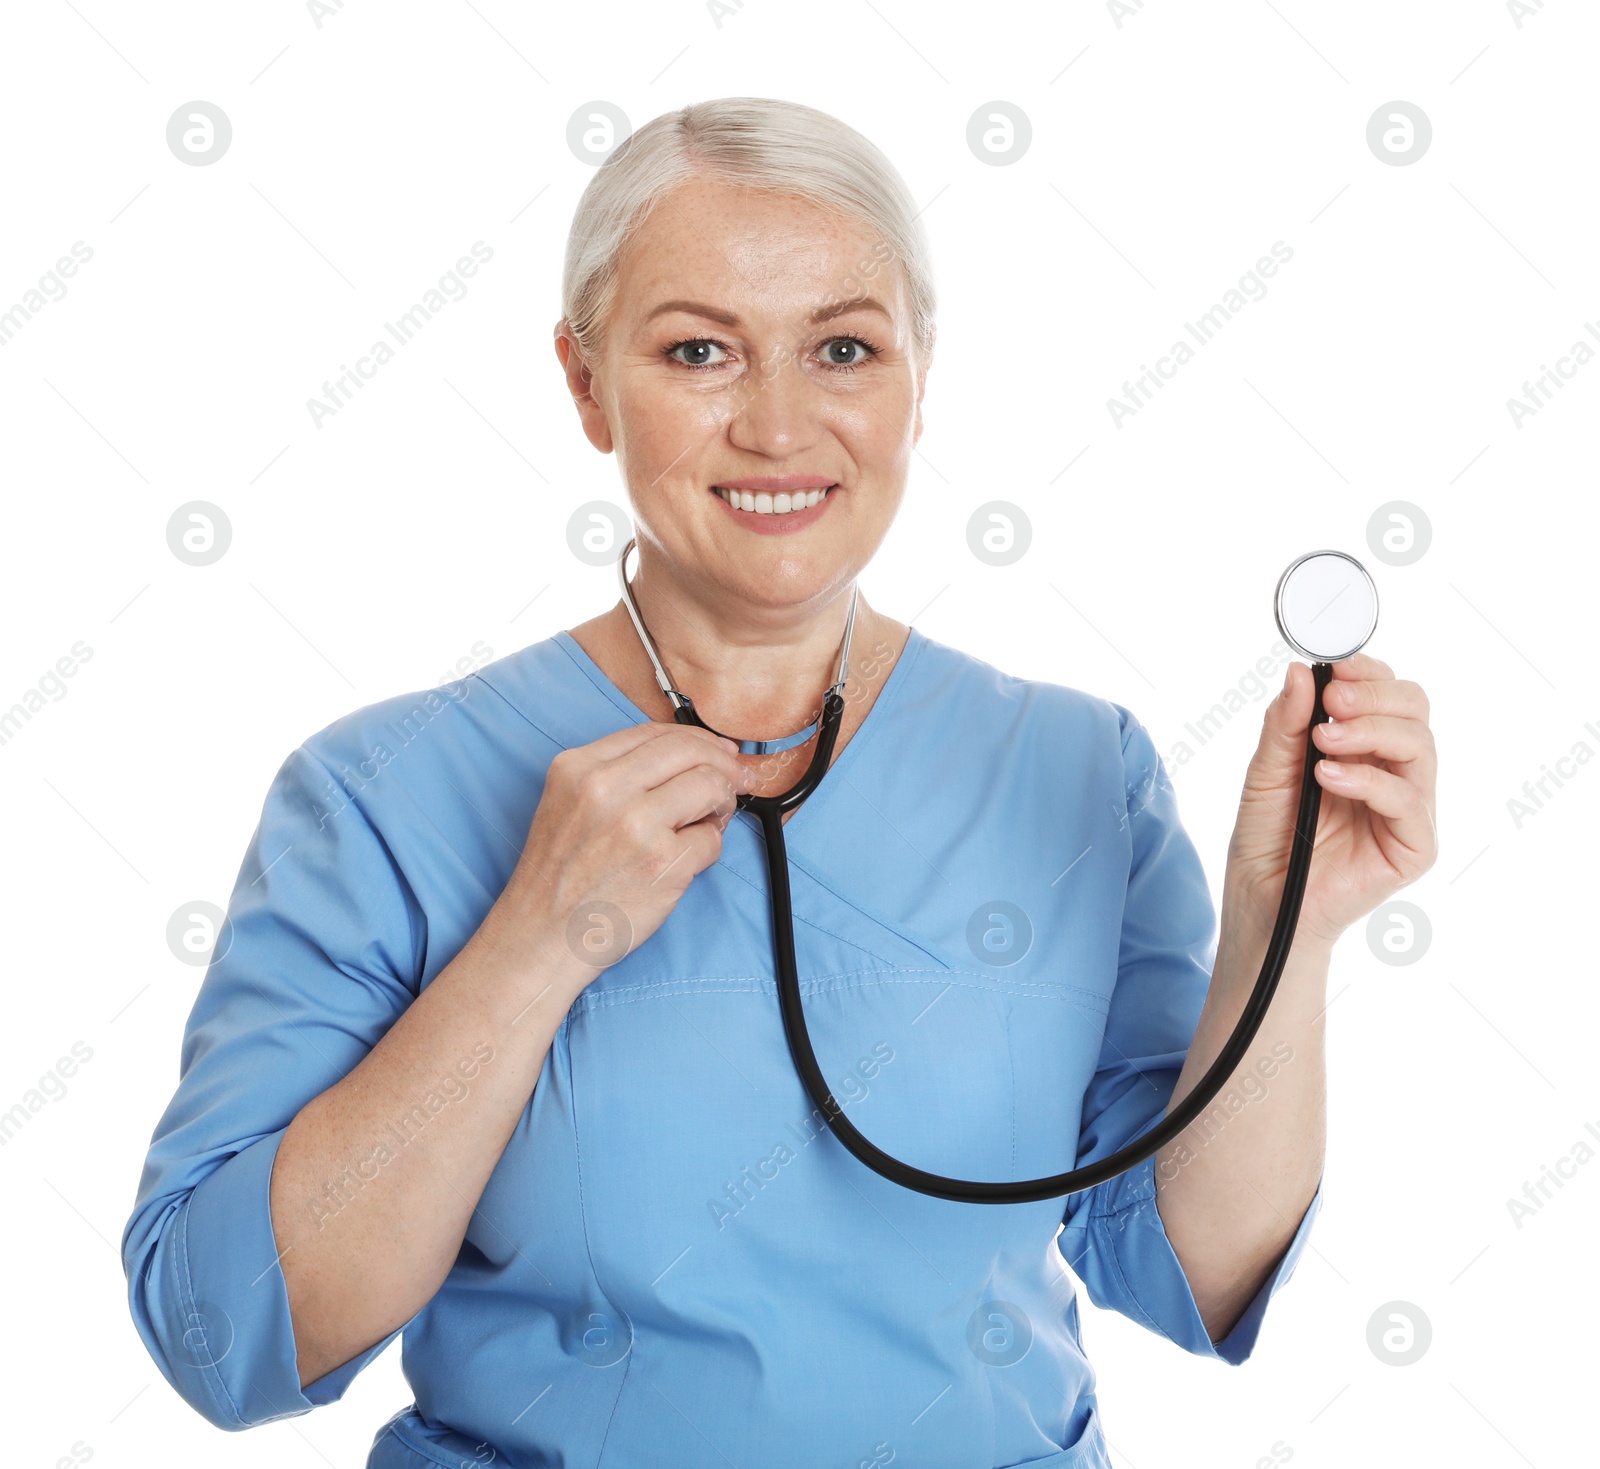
731	744
1333	768
1288	676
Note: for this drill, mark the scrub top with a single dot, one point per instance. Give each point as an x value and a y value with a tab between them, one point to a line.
1004	937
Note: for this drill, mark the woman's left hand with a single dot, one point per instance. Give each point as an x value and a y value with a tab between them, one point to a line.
1375	832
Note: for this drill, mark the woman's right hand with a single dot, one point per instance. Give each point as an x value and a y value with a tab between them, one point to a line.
623	826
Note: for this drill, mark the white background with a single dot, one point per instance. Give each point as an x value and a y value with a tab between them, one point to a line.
1169	152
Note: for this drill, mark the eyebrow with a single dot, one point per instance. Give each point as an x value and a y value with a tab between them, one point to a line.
730	318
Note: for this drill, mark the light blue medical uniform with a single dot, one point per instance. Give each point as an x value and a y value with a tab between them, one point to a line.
1004	938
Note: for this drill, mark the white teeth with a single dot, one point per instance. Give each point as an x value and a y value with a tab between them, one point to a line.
763	503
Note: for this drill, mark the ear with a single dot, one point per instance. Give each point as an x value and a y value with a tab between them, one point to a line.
580	383
922	383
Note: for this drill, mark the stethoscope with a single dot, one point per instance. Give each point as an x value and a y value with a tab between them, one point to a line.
1326	607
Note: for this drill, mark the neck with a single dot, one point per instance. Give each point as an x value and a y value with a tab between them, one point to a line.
753	672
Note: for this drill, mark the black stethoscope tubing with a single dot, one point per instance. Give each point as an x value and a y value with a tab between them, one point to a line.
769	810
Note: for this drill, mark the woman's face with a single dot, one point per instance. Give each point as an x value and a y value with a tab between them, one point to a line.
755	337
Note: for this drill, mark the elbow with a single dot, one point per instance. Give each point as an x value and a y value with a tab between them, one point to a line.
205	1355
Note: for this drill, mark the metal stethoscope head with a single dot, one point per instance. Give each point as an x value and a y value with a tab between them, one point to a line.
825	726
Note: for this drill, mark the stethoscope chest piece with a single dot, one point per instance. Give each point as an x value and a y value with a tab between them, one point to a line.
1326	606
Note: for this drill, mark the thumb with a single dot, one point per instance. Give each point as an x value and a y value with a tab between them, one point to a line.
1281	753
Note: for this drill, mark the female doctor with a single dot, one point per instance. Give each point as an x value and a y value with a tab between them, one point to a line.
489	1052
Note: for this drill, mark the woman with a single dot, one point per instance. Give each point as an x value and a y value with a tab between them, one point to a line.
531	1102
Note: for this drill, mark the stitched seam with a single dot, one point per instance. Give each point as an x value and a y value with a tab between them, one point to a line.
1127	1289
628	708
1011	1067
812	922
583	1218
831	984
422	1447
522	714
211	1375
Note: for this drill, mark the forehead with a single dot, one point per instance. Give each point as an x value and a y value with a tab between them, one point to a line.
751	251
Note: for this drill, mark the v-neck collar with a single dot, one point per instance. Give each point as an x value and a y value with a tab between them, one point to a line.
879	714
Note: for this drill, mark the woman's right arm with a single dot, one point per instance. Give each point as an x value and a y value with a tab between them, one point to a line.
376	1178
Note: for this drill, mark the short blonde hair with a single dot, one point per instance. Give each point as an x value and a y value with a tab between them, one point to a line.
761	143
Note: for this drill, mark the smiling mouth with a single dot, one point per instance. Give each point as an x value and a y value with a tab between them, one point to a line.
762	502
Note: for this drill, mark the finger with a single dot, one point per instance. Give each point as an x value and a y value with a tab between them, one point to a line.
1362	665
1346	698
655	762
621	743
1393	797
690	796
702	845
1387	736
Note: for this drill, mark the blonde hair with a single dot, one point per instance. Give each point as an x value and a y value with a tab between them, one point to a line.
759	142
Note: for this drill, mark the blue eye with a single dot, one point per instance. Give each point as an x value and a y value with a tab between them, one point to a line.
701	346
698	344
866	347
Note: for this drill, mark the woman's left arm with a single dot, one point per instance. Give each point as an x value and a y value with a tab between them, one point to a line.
1232	1193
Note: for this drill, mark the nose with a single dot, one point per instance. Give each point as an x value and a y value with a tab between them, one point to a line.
775	410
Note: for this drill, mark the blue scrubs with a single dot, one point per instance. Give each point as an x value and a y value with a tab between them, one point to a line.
1004	936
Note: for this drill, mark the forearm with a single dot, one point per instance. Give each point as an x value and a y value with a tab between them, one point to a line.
1233	1187
376	1178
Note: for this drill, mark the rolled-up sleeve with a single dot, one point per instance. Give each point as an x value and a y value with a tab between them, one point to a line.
316	959
1112	1234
